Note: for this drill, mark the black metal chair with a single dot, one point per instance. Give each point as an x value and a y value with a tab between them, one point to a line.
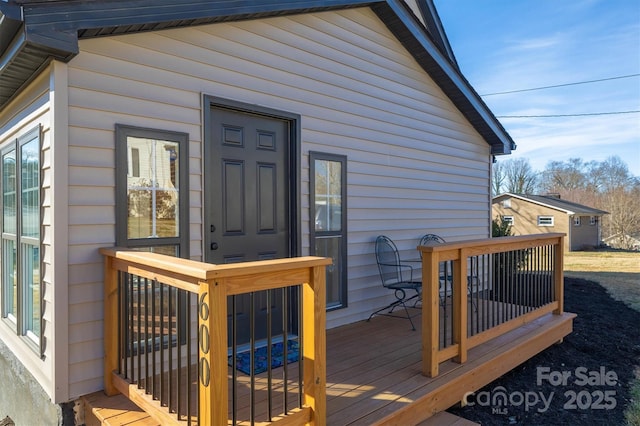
446	273
396	275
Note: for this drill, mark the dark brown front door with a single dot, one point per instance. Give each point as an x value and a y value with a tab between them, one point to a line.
247	204
249	187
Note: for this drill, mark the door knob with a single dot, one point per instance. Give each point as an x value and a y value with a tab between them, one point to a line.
214	246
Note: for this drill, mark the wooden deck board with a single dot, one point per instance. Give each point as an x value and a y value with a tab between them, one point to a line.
374	372
115	410
447	419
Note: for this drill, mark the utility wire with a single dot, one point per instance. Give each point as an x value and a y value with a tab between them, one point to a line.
562	85
568	115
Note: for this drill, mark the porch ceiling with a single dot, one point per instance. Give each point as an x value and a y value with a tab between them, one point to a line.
34	32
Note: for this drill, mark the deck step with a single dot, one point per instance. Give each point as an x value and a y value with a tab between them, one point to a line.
100	409
445	418
449	388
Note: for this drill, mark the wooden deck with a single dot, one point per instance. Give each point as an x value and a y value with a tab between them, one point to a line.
374	374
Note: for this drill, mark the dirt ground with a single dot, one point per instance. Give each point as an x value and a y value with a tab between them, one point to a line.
586	379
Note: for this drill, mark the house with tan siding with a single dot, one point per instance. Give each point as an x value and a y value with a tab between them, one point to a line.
538	214
210	132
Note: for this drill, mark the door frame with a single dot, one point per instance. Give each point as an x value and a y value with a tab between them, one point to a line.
293	164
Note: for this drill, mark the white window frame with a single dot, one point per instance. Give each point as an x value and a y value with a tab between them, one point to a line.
506	203
576	221
593	220
509	219
545	220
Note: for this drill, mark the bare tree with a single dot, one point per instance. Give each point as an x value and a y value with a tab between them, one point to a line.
564	177
619	195
519	177
607	185
498	179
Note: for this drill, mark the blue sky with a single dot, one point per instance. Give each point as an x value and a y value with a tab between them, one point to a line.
505	45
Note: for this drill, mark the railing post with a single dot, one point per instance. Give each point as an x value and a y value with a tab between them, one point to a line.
314	345
558	264
212	353
430	313
460	314
111	325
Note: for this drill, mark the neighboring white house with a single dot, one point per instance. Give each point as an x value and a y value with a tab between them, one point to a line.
288	127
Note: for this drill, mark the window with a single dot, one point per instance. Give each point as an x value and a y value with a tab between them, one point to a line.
151	188
593	220
152	204
576	221
506	203
328	218
545	220
508	219
21	290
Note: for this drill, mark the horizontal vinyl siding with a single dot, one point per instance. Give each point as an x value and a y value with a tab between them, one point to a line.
411	154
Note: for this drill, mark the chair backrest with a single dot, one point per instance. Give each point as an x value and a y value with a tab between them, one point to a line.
430	239
388	261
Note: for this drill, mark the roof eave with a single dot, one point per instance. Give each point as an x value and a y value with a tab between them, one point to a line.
586	210
414	37
51	30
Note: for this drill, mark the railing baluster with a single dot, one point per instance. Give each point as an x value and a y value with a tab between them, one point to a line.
146	335
297	292
252	356
234	352
131	329
162	348
122	323
179	338
285	338
139	332
170	352
188	379
154	371
269	360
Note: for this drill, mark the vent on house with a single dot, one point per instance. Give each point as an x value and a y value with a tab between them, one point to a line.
545	220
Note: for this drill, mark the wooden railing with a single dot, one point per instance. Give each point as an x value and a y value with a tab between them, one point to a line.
474	291
149	302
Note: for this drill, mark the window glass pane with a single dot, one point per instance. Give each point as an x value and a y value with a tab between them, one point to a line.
9	254
140	217
9	278
332	247
30	188
30	237
328	195
31	282
152	188
9	198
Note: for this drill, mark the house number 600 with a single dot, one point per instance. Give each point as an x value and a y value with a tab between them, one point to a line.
204	369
